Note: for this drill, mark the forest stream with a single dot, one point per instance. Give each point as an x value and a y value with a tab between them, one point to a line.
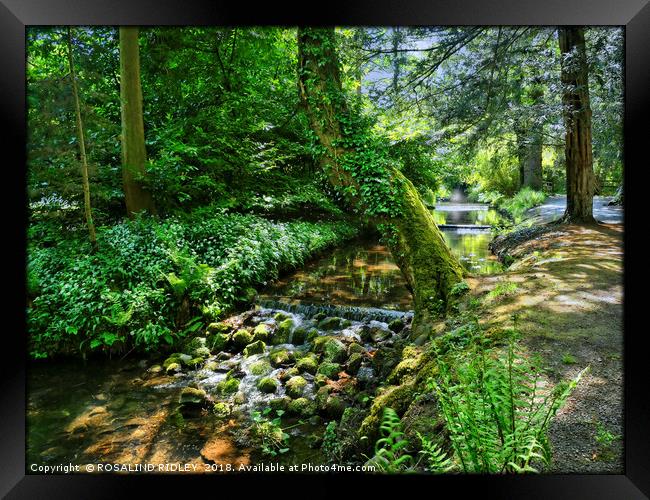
137	411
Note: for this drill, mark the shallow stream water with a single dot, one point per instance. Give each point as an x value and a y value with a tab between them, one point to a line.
125	412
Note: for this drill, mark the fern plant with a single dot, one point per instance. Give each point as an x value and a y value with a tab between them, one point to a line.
498	411
390	454
437	460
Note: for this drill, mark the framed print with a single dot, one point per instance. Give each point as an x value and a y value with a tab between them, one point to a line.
378	243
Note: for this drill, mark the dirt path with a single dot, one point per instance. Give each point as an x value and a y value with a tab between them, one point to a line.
566	297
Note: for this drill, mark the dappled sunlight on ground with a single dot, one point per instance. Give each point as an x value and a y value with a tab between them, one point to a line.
564	293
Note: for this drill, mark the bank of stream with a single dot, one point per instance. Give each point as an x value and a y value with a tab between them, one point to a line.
262	385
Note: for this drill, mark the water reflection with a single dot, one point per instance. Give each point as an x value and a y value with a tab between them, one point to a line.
362	274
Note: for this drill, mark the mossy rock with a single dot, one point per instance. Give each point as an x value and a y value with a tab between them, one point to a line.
262	332
346	432
295	386
308	364
219	327
228	386
293	372
242	338
267	385
346	323
312	334
397	397
173	367
173	359
334	351
355	347
201	352
218	342
193	396
334	406
397	325
320	316
281	357
302	407
155	369
283	332
195	363
423	416
299	336
280	316
320	380
256	347
321	396
221	410
211	366
261	367
354	363
407	367
280	403
330	370
331	323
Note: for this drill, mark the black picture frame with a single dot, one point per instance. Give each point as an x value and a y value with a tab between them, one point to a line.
16	15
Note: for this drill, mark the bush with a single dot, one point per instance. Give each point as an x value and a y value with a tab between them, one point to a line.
151	282
522	201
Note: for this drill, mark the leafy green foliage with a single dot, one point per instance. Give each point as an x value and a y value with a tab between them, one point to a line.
497	409
390	453
149	279
273	440
517	205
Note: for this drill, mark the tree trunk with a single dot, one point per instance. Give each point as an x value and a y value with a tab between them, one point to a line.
577	121
82	147
532	164
134	155
417	245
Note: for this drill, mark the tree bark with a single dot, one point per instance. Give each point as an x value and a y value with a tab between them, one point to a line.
134	155
577	121
82	147
429	267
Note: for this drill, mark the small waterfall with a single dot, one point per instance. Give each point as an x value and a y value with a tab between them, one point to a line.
348	312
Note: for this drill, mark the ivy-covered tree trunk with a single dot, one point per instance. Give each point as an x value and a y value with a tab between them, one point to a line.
371	186
82	146
580	182
134	154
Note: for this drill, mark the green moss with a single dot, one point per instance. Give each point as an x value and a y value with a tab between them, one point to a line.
356	347
262	332
227	386
280	316
334	406
192	396
173	367
256	347
261	367
331	323
299	336
218	342
195	363
219	327
308	364
173	359
330	370
201	352
221	410
242	338
423	256
396	397
281	357
267	385
295	386
302	407
283	332
354	363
